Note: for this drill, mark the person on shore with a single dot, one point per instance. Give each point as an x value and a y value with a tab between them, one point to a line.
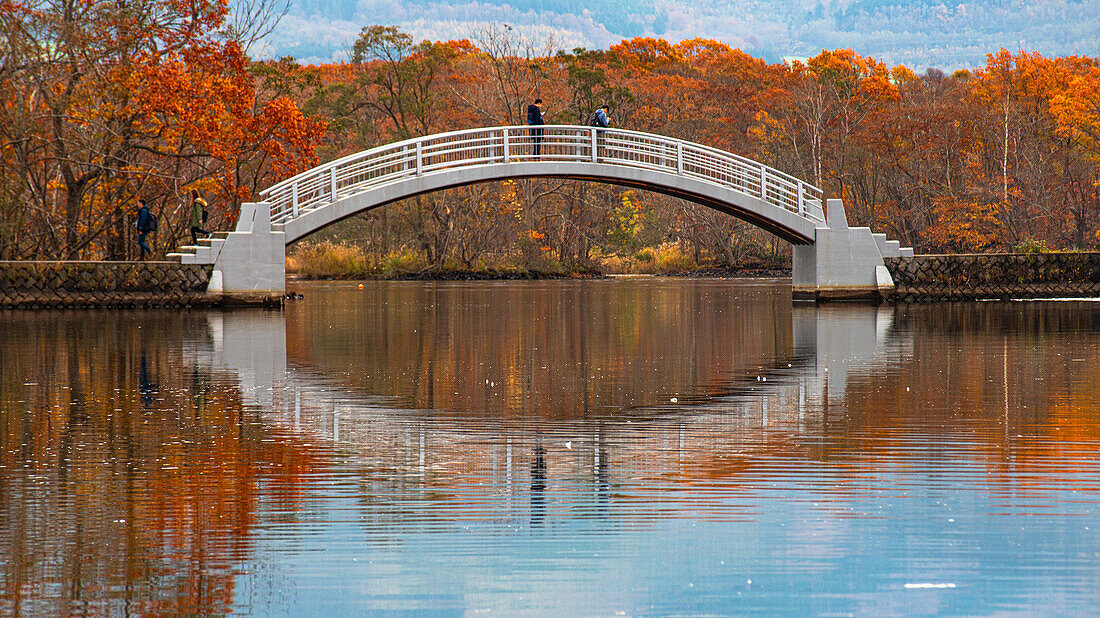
198	216
146	223
534	118
601	119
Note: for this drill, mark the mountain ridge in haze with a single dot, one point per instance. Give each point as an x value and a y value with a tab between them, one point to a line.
918	33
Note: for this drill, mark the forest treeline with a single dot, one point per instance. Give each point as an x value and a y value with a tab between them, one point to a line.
97	112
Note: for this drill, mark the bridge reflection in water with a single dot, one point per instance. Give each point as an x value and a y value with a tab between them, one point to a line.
787	392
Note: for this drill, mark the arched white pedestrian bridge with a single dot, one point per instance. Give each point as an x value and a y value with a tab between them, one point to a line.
727	182
251	258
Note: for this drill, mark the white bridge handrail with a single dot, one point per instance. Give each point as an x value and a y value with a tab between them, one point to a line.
438	153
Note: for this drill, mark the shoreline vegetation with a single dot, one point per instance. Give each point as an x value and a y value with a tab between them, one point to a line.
329	260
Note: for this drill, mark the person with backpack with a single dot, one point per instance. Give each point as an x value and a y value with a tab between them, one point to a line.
601	118
198	216
534	117
146	223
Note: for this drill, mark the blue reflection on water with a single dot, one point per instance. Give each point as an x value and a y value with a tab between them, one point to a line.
796	538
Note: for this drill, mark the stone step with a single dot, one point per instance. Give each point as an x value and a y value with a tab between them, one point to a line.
205	243
206	252
213	237
190	258
887	248
891	248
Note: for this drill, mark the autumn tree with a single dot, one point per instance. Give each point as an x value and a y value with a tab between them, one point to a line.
401	78
408	90
95	123
825	102
923	158
1076	109
1044	188
70	145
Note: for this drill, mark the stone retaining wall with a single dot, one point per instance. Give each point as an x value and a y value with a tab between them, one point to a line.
995	276
104	284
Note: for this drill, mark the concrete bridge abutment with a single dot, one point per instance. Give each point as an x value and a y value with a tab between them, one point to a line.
249	263
252	259
843	263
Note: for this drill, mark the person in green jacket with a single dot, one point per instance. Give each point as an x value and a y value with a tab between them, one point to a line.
198	216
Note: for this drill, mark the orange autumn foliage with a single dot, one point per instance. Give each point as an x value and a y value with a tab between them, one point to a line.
204	98
133	100
966	227
852	76
644	54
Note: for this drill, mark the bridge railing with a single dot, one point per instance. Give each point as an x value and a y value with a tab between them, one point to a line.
517	145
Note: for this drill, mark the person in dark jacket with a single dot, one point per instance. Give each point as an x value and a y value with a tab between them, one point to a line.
198	209
601	118
534	117
144	225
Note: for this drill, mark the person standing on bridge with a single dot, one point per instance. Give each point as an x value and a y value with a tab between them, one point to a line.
601	118
146	223
198	216
534	118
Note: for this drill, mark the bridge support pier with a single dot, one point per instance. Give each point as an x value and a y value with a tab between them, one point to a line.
251	261
844	263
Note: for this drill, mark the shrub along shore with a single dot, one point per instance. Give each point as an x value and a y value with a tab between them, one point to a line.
332	260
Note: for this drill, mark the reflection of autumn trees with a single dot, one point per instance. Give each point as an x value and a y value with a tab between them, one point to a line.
561	350
135	475
128	475
1017	381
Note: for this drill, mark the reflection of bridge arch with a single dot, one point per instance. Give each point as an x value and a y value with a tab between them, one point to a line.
829	259
828	345
732	184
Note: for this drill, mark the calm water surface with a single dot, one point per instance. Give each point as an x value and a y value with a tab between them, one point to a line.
627	446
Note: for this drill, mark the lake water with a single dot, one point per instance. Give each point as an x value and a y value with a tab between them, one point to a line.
623	446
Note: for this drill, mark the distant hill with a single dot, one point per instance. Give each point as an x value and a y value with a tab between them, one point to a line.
919	33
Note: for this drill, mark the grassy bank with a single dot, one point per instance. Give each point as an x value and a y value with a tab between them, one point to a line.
329	260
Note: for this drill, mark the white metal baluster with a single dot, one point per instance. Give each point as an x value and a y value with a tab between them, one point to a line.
763	183
505	145
332	182
294	198
594	159
419	158
680	158
801	205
